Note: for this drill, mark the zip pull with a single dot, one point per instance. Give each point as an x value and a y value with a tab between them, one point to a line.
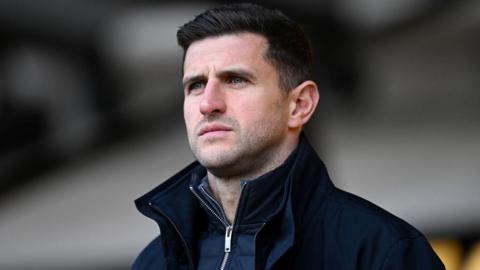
228	238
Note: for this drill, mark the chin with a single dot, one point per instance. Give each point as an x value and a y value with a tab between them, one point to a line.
216	160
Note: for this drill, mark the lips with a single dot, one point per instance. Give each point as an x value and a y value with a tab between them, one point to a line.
213	128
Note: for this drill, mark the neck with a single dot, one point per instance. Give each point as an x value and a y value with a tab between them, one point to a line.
227	190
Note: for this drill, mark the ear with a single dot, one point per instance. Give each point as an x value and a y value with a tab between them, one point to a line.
303	101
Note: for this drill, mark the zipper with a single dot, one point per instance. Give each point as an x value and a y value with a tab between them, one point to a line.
224	221
228	243
228	227
189	256
228	234
224	261
228	238
215	202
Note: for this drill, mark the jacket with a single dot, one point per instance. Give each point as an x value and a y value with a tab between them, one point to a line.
316	226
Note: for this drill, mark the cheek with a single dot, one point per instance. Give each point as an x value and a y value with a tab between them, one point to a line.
259	112
245	109
189	116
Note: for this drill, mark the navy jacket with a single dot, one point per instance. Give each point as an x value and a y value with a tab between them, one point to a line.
317	226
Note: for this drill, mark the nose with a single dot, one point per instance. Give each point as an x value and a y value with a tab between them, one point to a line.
213	101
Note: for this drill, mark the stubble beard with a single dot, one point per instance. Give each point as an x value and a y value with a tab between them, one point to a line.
249	156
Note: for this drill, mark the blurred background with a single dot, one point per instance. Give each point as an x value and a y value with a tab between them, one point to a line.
91	118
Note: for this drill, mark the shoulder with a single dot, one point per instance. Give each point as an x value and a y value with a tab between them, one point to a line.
353	213
362	232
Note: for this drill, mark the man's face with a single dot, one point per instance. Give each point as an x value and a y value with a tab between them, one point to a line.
235	113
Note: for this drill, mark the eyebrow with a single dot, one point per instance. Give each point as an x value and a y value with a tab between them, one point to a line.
221	74
189	79
236	72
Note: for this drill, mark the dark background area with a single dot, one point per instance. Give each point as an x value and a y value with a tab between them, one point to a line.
91	118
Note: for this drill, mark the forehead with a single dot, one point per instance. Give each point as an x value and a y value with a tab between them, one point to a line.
243	49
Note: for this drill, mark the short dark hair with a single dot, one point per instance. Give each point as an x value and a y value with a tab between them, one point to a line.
289	49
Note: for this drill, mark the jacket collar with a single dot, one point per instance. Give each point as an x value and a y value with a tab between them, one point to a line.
172	202
259	199
307	178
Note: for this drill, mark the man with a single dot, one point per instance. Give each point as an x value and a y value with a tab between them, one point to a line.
259	197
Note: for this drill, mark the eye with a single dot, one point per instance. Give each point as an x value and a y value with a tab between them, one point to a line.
237	81
195	86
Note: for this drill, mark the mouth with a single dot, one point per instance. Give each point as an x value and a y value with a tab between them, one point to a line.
213	128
